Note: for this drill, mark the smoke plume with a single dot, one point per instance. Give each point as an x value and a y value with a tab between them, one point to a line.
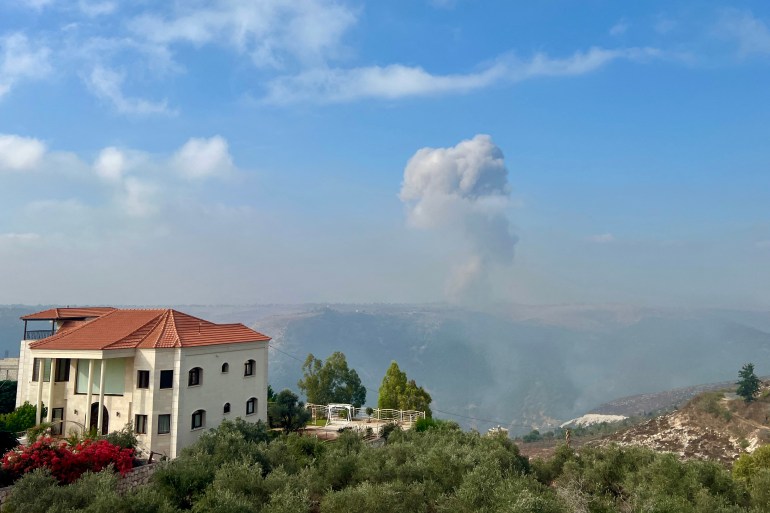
463	190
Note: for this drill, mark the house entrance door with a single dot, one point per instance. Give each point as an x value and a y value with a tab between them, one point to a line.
95	418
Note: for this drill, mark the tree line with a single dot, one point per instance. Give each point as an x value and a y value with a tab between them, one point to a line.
241	467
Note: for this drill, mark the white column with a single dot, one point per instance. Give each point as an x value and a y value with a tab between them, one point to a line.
89	394
101	398
40	374
49	417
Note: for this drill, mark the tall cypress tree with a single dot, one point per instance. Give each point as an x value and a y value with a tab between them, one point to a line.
748	385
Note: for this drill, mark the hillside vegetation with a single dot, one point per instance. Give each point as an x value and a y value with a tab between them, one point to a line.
519	367
715	425
238	468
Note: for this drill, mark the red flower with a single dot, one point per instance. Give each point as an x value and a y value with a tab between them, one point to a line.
66	463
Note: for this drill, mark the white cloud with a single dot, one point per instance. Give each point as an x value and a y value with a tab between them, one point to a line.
139	198
20	59
57	209
664	25
620	28
37	4
21	237
133	184
201	158
749	32
268	30
110	164
93	9
463	190
602	238
329	85
20	153
302	39
107	84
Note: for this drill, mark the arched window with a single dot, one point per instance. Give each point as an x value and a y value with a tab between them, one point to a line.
251	406
225	368
195	376
226	409
198	419
248	368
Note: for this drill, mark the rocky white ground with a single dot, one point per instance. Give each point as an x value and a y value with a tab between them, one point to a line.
590	419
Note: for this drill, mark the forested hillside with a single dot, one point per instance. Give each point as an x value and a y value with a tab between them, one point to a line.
521	367
238	469
518	370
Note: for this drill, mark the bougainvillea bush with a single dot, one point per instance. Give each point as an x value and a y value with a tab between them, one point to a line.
66	462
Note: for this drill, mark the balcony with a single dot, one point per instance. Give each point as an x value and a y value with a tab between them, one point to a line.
37	334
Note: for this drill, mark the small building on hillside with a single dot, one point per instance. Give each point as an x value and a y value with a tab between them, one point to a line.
169	374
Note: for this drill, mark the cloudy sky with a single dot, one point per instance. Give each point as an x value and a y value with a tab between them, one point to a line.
258	151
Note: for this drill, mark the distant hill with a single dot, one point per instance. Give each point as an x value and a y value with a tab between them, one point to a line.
643	405
12	328
523	367
712	426
517	366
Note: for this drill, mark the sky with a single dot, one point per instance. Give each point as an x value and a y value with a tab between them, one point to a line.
263	151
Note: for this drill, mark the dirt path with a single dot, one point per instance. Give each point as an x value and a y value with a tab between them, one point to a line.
756	425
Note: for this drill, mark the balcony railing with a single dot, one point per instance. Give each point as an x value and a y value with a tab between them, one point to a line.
37	334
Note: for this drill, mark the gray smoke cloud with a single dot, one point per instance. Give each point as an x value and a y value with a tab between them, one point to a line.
463	190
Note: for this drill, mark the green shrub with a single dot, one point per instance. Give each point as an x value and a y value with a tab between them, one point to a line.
710	402
548	470
288	499
125	438
36	492
431	423
749	464
39	492
20	419
532	436
184	480
35	432
377	498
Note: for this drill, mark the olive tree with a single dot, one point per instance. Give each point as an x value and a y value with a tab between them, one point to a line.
331	381
288	412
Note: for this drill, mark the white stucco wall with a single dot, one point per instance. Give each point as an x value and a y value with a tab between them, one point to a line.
180	401
217	388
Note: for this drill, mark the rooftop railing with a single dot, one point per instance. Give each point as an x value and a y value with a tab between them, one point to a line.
37	334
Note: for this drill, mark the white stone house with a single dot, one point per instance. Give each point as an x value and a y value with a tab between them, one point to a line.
169	374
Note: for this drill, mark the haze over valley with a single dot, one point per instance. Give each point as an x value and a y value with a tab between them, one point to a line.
518	366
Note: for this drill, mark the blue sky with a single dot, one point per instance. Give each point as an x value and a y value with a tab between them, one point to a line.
256	151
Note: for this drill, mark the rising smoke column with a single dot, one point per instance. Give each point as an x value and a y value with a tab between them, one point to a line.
463	190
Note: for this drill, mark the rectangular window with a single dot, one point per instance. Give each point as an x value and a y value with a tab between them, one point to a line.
197	419
46	369
62	369
140	425
164	424
251	406
143	379
57	421
114	377
166	379
248	368
194	378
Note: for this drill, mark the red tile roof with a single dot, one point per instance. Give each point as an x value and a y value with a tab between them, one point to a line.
157	328
68	313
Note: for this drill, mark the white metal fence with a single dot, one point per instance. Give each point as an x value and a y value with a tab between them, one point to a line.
339	414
